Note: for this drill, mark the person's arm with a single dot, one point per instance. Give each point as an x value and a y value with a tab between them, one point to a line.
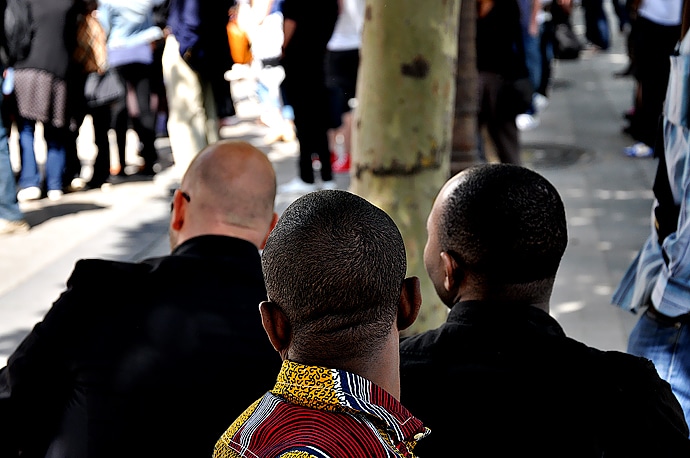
656	411
671	289
34	385
533	22
289	27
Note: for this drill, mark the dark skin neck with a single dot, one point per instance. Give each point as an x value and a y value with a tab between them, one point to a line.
381	368
471	289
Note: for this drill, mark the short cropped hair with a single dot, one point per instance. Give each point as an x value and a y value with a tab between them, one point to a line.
506	223
334	264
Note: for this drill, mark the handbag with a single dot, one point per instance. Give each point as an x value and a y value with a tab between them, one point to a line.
103	89
566	45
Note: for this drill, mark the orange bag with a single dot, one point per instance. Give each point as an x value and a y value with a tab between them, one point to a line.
240	46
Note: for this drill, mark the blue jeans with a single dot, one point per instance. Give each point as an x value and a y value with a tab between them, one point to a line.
267	96
9	208
668	347
55	156
596	23
532	56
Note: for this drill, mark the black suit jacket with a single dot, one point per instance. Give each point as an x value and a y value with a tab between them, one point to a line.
155	358
500	380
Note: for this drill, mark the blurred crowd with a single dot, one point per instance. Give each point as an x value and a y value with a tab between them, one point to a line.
168	63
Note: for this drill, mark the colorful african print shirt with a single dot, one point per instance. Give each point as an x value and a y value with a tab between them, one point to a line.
318	412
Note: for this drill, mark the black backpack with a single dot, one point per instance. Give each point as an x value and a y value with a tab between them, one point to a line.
18	25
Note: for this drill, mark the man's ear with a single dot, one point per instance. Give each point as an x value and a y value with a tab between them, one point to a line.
178	211
452	274
277	326
274	221
410	302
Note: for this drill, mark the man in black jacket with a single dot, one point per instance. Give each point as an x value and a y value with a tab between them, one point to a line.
512	383
155	358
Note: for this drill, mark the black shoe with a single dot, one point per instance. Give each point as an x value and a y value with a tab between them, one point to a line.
92	185
146	171
117	179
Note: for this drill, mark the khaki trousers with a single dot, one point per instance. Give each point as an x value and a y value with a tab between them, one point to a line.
192	115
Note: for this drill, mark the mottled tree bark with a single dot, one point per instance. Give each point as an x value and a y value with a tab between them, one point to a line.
464	153
402	127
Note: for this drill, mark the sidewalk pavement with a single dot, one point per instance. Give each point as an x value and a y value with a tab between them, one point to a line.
578	146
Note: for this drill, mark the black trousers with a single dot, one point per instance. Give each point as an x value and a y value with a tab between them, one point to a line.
653	46
305	90
341	81
135	108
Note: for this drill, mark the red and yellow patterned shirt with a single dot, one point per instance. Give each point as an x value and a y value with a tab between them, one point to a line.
318	412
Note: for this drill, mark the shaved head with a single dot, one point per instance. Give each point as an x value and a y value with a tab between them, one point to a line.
502	223
231	187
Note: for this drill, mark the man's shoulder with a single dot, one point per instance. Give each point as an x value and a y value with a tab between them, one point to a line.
454	345
269	413
629	375
89	269
636	395
425	343
617	364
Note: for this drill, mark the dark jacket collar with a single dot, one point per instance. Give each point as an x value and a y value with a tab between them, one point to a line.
216	246
504	314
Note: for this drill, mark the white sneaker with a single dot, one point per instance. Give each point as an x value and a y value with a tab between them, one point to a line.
638	150
540	102
296	185
54	194
30	193
526	121
13	227
77	184
329	185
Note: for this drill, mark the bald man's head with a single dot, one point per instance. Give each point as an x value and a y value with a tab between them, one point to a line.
228	189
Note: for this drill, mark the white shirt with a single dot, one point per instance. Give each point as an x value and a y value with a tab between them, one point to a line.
662	12
348	28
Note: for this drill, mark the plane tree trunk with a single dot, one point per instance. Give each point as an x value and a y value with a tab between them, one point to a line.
402	130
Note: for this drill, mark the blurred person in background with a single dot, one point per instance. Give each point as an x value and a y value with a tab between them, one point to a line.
132	35
267	42
597	30
11	217
196	54
500	59
655	33
307	28
78	109
342	65
41	94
